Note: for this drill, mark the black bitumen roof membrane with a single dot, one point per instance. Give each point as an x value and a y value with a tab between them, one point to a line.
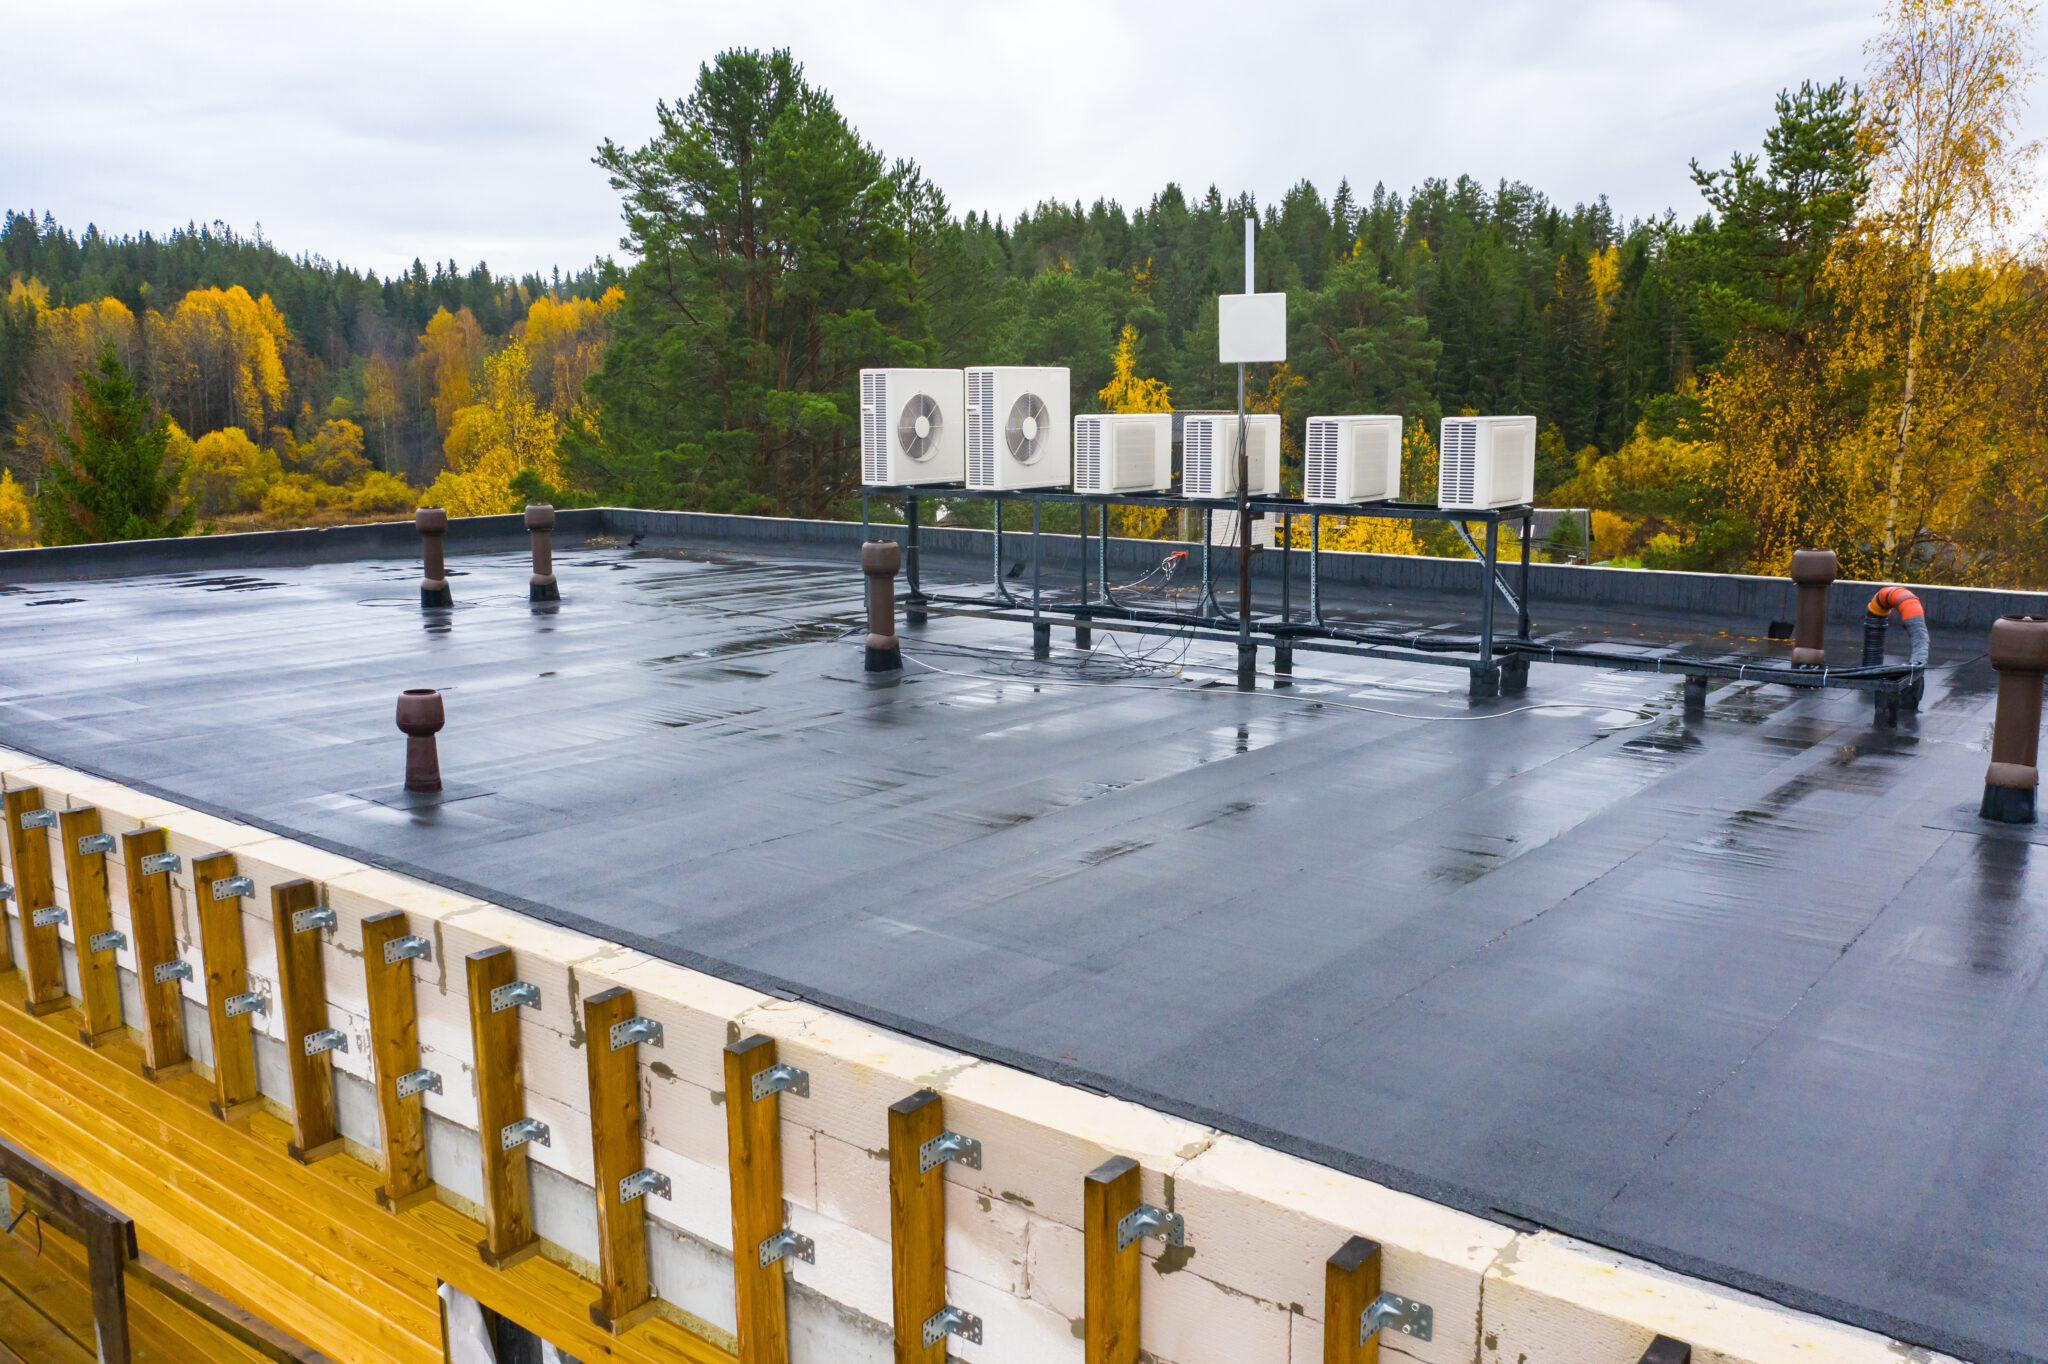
1753	996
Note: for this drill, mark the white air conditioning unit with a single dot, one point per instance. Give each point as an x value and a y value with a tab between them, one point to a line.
1485	462
913	426
1123	452
1352	459
1208	455
1017	432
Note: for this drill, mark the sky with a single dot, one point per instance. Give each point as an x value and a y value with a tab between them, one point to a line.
376	132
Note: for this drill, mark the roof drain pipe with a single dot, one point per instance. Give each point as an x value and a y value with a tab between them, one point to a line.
881	560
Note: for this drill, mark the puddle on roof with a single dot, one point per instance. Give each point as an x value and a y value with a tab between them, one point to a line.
54	601
228	582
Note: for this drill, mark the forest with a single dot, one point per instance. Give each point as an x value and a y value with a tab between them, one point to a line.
1842	349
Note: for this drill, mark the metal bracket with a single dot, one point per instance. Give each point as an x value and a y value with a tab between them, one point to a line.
525	1130
403	949
106	942
155	864
327	1039
228	887
512	996
176	969
951	1321
6	892
779	1077
413	1081
643	1182
38	819
237	1005
949	1146
633	1030
1410	1318
787	1242
308	920
46	918
1146	1220
88	844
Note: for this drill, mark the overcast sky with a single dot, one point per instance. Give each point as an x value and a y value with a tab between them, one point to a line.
375	132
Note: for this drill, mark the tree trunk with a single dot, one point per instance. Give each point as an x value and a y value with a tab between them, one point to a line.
1891	509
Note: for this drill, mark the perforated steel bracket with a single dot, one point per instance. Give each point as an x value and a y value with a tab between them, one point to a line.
643	1182
779	1077
47	917
106	942
525	1130
1146	1220
156	864
414	1081
787	1242
949	1146
314	919
253	1002
38	819
404	949
327	1039
512	996
88	844
636	1030
228	887
6	892
168	971
1391	1311
951	1321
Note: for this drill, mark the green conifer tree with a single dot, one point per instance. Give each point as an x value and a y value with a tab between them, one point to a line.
116	478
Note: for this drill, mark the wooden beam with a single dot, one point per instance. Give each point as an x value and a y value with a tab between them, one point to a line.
1109	1276
753	1133
92	915
107	1235
1665	1350
500	1102
28	854
395	1051
1351	1280
149	919
625	1297
244	1327
219	910
302	983
917	1226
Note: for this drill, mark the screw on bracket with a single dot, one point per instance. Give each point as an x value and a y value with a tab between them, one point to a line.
779	1077
88	844
1410	1318
106	942
311	920
512	996
404	949
176	969
327	1039
635	1030
643	1182
252	1002
787	1242
515	1134
951	1321
38	819
46	918
414	1081
949	1146
1146	1220
156	864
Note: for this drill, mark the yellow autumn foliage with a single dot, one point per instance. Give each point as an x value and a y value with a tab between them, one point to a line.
565	340
450	349
219	359
17	531
491	441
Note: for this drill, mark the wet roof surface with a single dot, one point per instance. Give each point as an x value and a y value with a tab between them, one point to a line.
1747	996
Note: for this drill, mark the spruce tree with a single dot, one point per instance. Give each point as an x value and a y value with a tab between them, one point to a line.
116	478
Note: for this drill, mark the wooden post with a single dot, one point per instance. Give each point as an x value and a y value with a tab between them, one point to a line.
1351	1280
917	1225
624	1296
501	1102
92	920
149	918
395	1053
227	977
1110	1276
108	1237
302	981
28	851
1665	1350
753	1132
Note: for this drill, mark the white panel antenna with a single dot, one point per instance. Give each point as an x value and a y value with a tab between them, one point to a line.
1486	462
1123	452
912	427
1352	459
1018	432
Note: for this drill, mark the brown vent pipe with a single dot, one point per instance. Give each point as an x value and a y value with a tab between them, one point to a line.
540	519
881	560
433	524
2019	651
1812	570
420	716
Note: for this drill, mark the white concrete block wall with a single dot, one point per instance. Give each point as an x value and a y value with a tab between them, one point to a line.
1247	1288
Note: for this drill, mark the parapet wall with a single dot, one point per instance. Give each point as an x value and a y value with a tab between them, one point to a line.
1260	1225
1722	597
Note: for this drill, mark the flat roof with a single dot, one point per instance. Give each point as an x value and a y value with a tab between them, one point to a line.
1753	996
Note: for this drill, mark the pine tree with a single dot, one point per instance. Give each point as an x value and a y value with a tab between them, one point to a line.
116	478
